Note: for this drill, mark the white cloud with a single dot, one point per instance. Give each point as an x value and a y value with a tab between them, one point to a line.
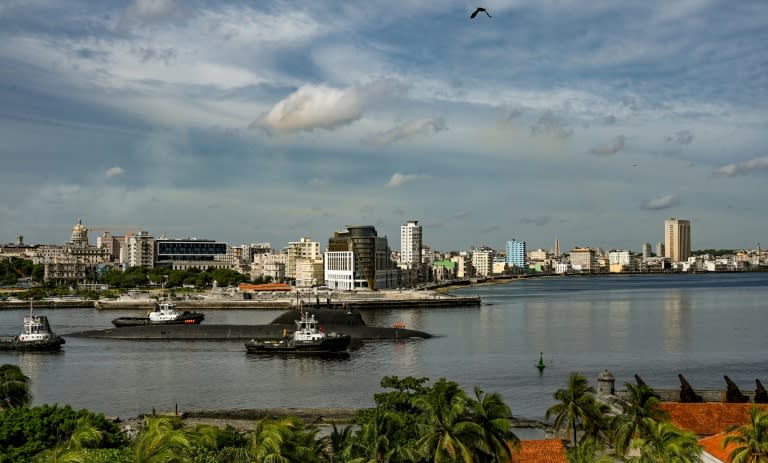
406	130
743	168
321	107
399	179
664	202
610	148
114	171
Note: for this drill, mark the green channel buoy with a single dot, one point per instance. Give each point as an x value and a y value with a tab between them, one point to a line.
541	365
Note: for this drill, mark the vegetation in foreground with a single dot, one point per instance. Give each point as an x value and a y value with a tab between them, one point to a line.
412	422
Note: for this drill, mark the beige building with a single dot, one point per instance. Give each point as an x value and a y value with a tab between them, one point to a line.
309	272
584	259
305	248
677	239
482	260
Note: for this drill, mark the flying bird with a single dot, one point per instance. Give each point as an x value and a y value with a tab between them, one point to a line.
478	10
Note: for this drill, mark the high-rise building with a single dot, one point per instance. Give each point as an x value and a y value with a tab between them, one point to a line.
357	257
660	250
516	253
141	250
677	239
410	244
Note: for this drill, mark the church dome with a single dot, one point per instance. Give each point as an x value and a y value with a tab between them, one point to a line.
79	234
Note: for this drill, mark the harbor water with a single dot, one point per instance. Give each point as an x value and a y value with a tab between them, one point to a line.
704	326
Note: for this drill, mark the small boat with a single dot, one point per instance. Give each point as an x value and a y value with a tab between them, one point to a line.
35	336
309	339
164	313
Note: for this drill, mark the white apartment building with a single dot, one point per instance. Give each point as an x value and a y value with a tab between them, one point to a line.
410	244
482	260
340	272
141	250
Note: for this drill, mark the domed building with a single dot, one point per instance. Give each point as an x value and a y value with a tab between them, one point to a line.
79	237
76	261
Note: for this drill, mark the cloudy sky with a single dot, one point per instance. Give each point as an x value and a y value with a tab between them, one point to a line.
266	121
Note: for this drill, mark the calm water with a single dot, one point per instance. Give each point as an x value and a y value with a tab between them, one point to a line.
703	326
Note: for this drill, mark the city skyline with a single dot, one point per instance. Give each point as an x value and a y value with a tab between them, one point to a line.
586	122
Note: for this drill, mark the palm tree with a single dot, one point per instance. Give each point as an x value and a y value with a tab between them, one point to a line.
282	441
14	387
448	433
577	407
336	446
161	440
637	412
751	438
378	440
86	435
666	443
492	414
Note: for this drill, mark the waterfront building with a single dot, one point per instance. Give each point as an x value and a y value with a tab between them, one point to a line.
184	254
482	261
516	253
646	250
677	239
262	265
305	248
500	266
464	268
141	250
556	249
660	250
410	244
584	260
537	255
76	261
357	258
443	270
309	272
619	261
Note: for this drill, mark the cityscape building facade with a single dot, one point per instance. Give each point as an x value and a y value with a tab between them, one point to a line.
516	253
677	239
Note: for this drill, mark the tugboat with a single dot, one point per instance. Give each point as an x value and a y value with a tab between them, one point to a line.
164	313
309	339
35	336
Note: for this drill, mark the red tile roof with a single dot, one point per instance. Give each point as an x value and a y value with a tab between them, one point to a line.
540	451
713	445
708	418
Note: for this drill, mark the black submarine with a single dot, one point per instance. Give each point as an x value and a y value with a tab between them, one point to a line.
332	320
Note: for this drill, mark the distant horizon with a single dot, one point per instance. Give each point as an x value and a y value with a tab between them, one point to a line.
243	121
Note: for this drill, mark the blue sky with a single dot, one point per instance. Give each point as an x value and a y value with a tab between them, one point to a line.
266	121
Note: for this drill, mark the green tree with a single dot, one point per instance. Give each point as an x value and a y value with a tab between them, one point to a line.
587	451
161	440
637	414
576	407
666	443
492	415
25	432
14	387
751	439
448	434
378	440
282	441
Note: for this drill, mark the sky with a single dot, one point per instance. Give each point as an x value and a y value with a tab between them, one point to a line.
590	122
